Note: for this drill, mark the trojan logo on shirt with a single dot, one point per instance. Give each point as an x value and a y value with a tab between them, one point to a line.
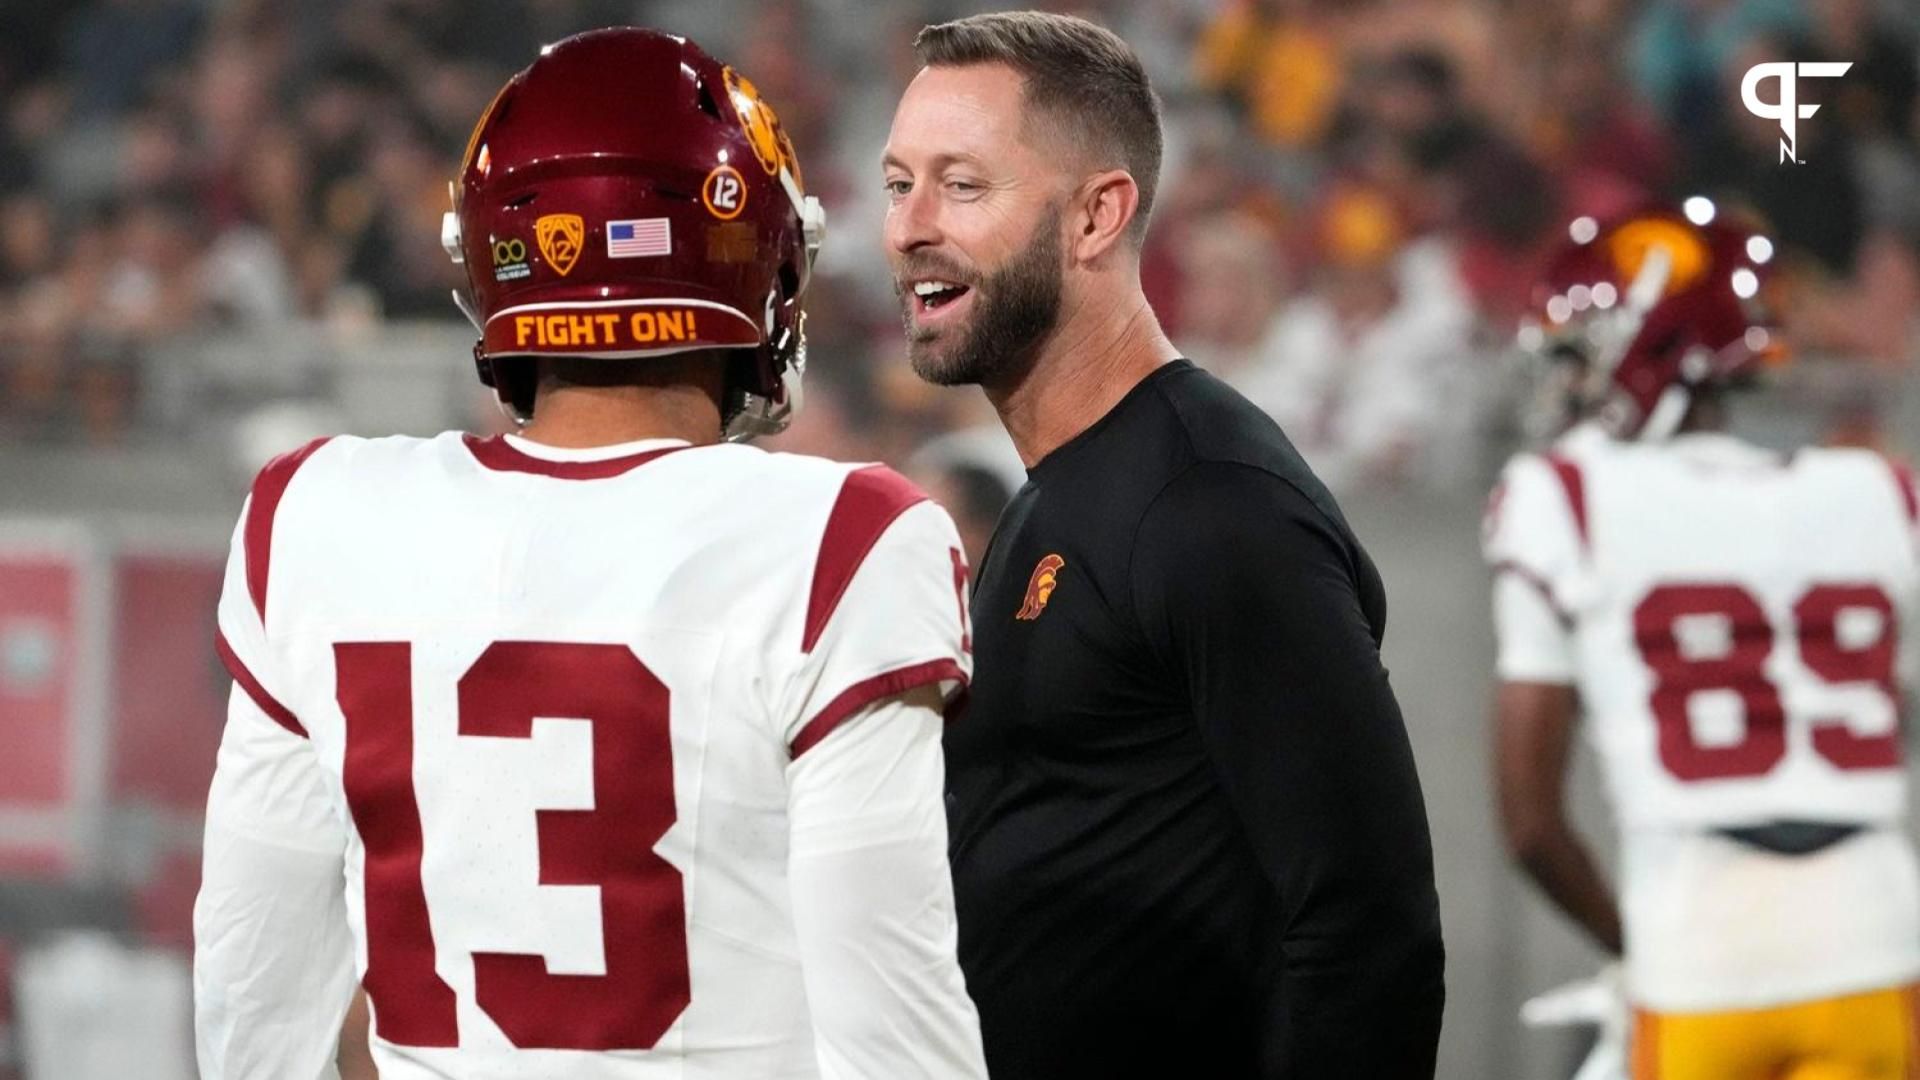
1040	587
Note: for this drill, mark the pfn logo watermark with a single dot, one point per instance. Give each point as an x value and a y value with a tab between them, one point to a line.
1787	111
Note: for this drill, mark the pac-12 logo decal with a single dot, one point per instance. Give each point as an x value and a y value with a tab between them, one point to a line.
1040	587
560	237
1787	111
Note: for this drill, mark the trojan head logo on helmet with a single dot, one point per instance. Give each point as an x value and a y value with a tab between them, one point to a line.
1650	308
627	196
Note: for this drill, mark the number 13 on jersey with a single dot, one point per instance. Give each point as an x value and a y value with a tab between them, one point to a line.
643	914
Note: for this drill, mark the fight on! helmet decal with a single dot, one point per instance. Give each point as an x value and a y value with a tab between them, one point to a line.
618	327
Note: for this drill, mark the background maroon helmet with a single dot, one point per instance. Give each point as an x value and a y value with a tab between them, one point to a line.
1652	306
628	196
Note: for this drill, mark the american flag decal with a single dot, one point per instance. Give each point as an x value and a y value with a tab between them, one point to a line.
638	238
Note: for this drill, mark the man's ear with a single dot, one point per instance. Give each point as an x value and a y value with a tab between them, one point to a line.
1101	214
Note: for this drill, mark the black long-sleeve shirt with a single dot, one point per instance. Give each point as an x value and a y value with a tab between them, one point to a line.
1187	835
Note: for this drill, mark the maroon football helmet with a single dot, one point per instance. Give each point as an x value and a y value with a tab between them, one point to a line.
628	196
1652	306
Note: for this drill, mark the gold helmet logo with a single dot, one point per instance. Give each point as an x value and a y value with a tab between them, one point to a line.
770	143
473	140
561	237
1630	244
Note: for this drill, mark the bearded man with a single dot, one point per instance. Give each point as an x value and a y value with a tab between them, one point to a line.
1186	831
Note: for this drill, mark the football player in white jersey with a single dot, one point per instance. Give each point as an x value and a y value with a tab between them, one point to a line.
610	749
1724	622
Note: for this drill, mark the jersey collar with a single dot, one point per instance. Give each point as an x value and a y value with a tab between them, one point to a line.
511	453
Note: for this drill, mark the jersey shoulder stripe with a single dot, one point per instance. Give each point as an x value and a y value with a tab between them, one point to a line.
1903	480
268	489
861	694
1538	584
244	679
1567	471
870	499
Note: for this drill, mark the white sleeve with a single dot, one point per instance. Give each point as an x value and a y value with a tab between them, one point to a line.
273	958
1531	543
873	899
1536	644
899	623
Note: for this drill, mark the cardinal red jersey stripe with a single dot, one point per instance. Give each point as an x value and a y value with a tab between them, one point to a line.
244	679
870	499
867	691
1903	479
268	488
1575	486
1539	585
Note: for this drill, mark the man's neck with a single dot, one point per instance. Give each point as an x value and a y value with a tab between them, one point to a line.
581	417
1091	360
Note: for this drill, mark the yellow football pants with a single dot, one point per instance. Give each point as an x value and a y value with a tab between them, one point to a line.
1870	1036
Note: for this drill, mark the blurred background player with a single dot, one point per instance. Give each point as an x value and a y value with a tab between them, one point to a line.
1726	619
624	738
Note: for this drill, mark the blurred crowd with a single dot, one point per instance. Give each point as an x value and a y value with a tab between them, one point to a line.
1357	192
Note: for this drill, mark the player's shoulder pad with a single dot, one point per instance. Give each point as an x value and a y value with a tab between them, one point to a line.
1539	497
263	507
1870	473
869	499
1896	471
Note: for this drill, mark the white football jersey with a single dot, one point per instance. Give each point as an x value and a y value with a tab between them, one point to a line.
1732	619
578	725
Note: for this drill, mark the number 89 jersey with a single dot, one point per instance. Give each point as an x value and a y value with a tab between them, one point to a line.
556	701
1731	618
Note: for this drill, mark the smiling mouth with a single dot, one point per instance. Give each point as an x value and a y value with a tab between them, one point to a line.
931	296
